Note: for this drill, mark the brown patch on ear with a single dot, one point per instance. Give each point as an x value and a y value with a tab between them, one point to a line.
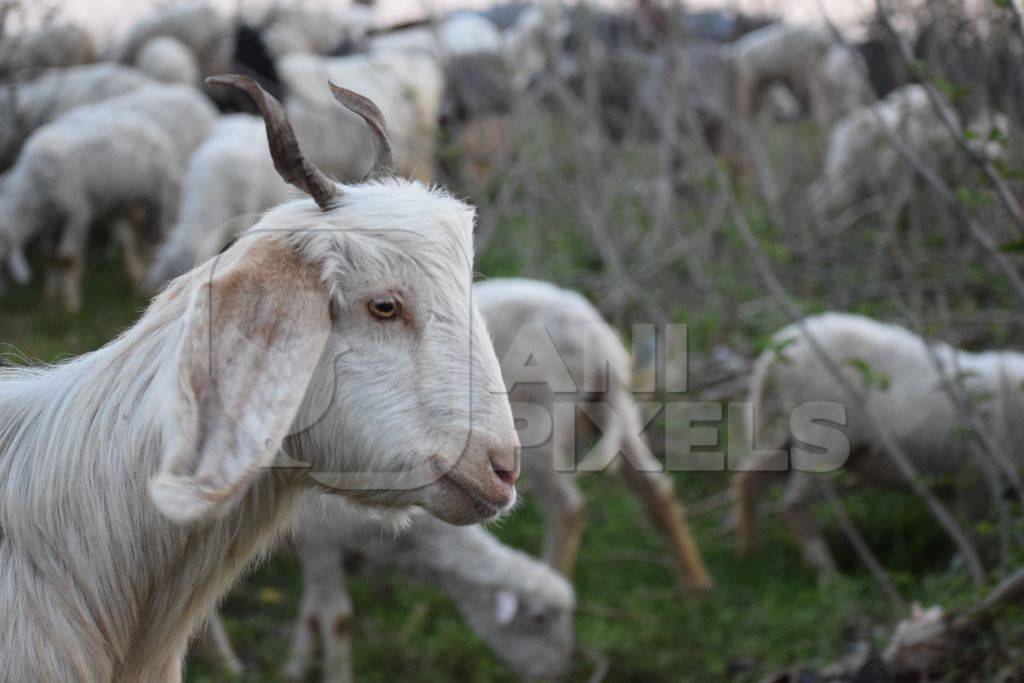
256	329
342	625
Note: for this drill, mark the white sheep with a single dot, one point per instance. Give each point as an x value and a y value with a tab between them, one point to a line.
576	355
229	181
120	159
98	162
52	45
168	60
905	390
861	160
846	83
789	53
459	34
407	86
26	106
520	607
181	111
289	28
336	345
195	24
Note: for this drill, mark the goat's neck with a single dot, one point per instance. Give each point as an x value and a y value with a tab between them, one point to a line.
108	588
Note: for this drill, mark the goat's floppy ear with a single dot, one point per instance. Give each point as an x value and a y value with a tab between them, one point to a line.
256	328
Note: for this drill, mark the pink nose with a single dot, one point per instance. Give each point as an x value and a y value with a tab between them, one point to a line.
505	464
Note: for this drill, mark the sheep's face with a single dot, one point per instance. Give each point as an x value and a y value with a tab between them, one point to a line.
348	339
532	633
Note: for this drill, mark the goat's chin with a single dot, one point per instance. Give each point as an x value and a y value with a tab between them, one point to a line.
461	502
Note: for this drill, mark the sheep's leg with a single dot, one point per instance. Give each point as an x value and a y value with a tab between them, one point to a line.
325	617
640	472
69	263
214	646
751	486
797	508
125	234
560	499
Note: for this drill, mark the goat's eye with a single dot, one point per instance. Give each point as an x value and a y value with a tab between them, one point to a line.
385	307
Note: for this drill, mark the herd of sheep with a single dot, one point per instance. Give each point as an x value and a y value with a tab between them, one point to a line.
316	362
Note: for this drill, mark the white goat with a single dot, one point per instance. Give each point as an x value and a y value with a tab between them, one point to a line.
26	106
199	26
341	331
168	60
408	88
781	52
520	607
53	45
98	162
907	396
576	352
230	180
862	161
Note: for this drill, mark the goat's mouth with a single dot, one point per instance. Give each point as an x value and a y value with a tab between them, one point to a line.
486	507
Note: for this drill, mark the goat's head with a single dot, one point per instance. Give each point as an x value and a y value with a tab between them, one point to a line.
341	332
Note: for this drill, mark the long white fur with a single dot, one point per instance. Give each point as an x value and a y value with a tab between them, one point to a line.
407	87
97	583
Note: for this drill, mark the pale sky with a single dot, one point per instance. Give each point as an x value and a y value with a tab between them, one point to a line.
106	18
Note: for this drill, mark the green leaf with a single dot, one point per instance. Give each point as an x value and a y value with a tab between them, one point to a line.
1014	247
873	380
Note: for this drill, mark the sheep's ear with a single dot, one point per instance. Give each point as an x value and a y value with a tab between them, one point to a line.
18	267
506	604
256	328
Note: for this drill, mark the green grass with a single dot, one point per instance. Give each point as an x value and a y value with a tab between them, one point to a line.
767	611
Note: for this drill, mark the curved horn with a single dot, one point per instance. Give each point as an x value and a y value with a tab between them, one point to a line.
284	148
383	161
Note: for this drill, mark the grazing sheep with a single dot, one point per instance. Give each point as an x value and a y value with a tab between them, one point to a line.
847	87
789	53
96	163
179	110
53	45
906	394
527	318
230	180
408	87
520	607
300	359
26	106
195	24
168	60
861	160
